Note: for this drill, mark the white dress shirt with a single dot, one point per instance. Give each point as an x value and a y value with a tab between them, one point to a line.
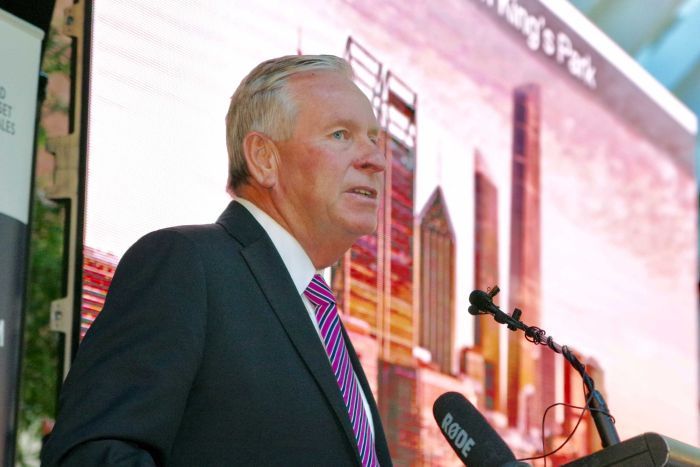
300	268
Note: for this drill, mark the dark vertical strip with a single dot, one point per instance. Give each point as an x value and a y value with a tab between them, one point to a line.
82	171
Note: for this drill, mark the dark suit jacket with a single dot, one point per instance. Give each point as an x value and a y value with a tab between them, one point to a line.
204	354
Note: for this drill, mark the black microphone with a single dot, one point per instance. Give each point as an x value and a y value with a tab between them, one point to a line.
469	434
483	301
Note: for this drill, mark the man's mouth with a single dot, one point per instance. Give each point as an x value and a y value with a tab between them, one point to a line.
367	192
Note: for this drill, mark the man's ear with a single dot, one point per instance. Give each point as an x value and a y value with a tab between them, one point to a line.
261	157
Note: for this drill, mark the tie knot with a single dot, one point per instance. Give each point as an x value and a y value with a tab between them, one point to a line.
318	291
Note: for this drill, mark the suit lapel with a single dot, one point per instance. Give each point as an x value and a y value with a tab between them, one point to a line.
276	284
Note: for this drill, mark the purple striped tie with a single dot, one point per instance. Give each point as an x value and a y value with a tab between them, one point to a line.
320	295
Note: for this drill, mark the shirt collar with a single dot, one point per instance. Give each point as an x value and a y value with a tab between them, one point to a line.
293	255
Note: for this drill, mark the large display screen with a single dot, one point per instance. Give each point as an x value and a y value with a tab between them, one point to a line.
522	113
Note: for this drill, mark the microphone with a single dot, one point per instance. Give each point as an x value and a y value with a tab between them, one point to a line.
483	301
469	434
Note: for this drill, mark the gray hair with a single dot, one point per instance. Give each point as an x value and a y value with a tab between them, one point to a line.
262	103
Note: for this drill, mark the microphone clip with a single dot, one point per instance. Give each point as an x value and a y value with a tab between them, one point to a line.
517	313
493	291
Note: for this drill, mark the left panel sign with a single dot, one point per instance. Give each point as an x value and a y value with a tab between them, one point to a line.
20	50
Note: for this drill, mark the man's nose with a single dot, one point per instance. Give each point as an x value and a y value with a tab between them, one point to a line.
372	158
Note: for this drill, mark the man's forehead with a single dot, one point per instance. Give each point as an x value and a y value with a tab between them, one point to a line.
350	117
323	84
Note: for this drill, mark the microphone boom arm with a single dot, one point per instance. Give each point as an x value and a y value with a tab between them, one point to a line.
482	303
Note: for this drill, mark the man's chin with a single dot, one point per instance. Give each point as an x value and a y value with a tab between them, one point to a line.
361	230
355	224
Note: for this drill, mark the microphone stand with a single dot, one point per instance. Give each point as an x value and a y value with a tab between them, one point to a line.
594	400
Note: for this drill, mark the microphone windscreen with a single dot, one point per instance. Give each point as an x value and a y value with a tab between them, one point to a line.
481	300
468	432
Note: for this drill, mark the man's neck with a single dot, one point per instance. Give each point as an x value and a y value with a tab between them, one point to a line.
321	252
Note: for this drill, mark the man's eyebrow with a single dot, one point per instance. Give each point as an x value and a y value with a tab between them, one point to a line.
347	122
350	123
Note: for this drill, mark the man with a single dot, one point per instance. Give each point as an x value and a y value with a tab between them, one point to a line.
220	344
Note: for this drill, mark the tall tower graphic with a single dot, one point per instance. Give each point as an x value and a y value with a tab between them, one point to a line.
524	406
437	279
397	225
486	331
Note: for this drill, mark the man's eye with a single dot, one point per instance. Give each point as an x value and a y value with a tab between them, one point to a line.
339	134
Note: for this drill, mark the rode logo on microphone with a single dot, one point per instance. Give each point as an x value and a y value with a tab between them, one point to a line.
457	434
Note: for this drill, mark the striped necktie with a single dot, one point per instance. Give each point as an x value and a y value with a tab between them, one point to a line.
320	295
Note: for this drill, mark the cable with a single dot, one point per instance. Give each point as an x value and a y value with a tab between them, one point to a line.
578	422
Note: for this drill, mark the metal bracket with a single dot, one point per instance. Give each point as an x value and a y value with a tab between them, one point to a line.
66	150
60	315
74	19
